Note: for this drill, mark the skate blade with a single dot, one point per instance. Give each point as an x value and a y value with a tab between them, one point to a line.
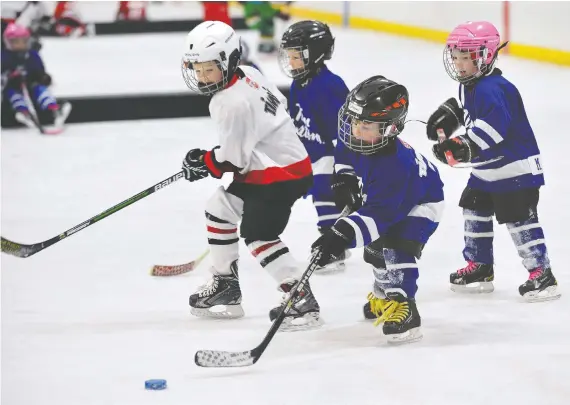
482	287
219	312
548	294
24	120
312	320
332	268
410	336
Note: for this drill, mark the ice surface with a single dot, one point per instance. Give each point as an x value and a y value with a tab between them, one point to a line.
83	322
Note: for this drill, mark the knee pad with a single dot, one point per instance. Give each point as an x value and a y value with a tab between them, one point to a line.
374	254
225	206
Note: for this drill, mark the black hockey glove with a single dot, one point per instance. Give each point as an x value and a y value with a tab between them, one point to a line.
15	81
448	117
333	242
346	191
194	166
460	147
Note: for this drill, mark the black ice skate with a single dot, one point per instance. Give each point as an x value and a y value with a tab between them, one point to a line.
540	286
374	308
401	320
220	298
473	278
305	312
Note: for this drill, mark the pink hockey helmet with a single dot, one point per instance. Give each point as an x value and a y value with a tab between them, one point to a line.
479	39
14	32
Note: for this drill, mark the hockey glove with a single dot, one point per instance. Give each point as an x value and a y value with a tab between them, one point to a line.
448	117
346	191
460	147
15	80
333	242
194	166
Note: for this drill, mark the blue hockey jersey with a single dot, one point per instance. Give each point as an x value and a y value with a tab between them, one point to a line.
28	65
402	192
314	109
496	122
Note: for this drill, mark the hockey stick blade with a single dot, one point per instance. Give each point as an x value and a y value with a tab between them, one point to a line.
23	250
222	358
166	271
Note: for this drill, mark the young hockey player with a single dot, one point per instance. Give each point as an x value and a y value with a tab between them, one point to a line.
497	131
22	67
398	209
315	99
271	169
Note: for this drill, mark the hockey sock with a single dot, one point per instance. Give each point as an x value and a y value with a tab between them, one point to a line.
223	240
17	101
528	237
478	236
274	257
44	98
402	273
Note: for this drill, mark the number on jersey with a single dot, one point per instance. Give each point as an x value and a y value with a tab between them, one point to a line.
423	164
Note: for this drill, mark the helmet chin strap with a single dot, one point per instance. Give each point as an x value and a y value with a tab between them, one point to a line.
492	64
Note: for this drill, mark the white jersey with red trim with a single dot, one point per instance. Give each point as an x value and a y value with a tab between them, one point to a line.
256	133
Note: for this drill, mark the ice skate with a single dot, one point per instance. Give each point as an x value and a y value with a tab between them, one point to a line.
334	266
374	308
219	298
540	286
305	312
473	278
401	320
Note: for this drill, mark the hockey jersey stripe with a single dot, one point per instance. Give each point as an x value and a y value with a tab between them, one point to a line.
489	130
514	169
431	211
295	171
478	141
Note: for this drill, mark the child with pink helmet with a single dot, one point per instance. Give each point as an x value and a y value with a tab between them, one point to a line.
22	68
506	165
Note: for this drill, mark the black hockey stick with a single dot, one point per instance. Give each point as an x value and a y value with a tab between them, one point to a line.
221	358
22	250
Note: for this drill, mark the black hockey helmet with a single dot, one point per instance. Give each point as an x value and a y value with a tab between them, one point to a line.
373	115
312	40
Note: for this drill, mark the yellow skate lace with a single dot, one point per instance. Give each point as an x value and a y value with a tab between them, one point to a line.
380	307
399	311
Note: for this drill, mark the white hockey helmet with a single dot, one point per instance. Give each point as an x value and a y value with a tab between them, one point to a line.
211	41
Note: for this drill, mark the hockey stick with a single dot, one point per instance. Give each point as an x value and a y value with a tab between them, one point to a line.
165	271
22	250
221	358
32	111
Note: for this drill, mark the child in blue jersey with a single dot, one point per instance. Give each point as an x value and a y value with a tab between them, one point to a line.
23	66
507	186
315	99
397	210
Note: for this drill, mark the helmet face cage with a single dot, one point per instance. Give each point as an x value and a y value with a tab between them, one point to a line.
478	55
285	64
191	79
387	131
